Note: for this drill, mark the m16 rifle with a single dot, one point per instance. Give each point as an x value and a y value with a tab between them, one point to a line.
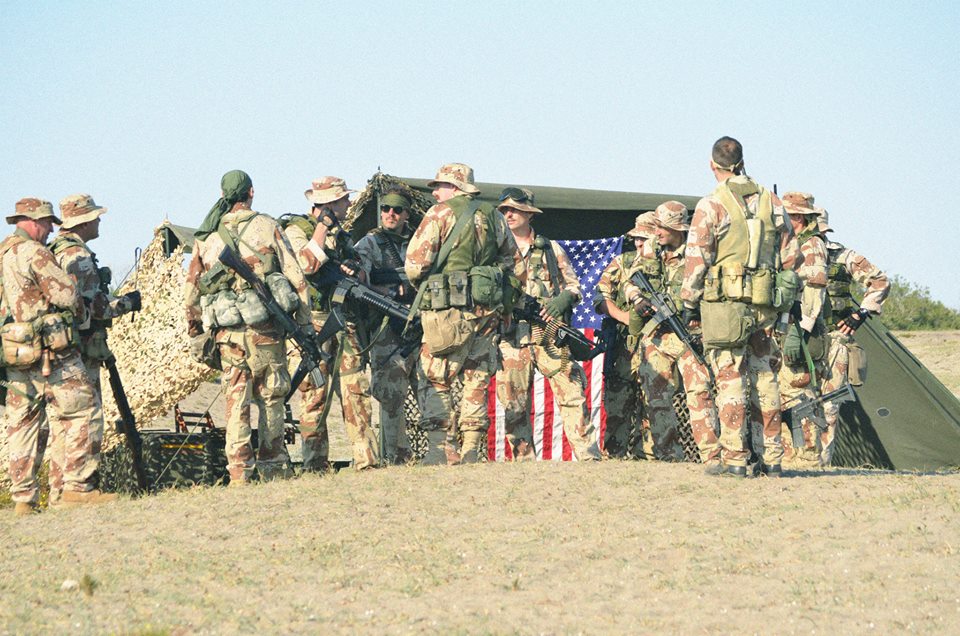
666	312
310	355
581	348
804	407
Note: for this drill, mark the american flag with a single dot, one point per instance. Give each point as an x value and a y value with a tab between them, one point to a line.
589	258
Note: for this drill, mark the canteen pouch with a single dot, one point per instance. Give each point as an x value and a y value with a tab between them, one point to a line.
637	322
282	291
251	308
857	365
711	285
786	290
486	285
215	279
731	281
726	324
762	286
437	292
457	289
21	344
95	346
225	309
207	315
445	331
55	333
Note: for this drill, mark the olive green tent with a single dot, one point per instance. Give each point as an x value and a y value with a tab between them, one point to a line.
903	418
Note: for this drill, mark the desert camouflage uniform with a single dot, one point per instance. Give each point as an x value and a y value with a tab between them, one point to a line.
391	371
353	385
475	360
844	265
794	380
34	285
253	356
662	354
524	346
745	375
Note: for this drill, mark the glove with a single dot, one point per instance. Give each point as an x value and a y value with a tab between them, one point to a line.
854	320
689	315
559	305
643	307
793	346
133	301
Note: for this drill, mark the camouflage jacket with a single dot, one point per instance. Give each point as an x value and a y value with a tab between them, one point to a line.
436	226
614	284
537	280
709	225
33	283
813	272
671	276
262	236
844	263
76	258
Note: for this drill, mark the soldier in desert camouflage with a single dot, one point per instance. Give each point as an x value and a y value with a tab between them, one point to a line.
250	344
663	352
845	267
81	224
804	343
325	252
384	250
46	376
551	279
622	399
458	257
739	241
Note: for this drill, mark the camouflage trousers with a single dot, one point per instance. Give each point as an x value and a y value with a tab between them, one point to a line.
747	391
623	402
352	386
835	375
474	362
568	382
67	402
390	379
796	385
664	354
254	372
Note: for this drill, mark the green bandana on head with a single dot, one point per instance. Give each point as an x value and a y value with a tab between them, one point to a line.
235	185
395	200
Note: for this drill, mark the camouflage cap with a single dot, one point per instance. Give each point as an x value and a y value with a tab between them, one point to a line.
518	199
799	203
456	174
79	208
672	215
327	190
644	226
822	223
31	208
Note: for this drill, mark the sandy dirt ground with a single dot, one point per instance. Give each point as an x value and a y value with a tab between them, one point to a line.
939	351
618	547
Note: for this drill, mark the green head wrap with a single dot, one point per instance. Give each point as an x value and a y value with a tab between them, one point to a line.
236	186
396	200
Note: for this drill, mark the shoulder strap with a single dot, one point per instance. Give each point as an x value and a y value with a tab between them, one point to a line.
553	267
228	239
62	242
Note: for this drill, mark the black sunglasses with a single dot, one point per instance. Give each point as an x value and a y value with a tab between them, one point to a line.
388	208
516	194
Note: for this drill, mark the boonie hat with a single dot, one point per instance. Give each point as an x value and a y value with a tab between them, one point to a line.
822	223
79	208
672	215
799	203
456	174
327	190
644	226
518	199
31	208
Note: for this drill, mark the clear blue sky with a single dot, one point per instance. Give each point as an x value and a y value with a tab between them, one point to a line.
146	105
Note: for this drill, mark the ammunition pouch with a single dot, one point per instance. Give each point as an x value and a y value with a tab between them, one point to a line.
57	331
21	343
726	325
486	285
220	310
787	290
216	279
758	287
483	285
445	331
857	369
819	342
637	322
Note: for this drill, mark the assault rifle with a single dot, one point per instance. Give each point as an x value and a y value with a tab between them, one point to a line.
581	348
127	424
666	312
350	289
389	276
803	407
310	356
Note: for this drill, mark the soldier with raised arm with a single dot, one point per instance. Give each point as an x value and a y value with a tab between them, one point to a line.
44	372
249	342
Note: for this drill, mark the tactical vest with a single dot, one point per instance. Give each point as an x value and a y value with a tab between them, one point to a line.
839	286
322	282
467	252
66	241
626	263
745	268
543	258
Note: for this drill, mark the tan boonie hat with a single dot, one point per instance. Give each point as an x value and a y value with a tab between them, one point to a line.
327	190
518	199
798	203
79	208
30	208
644	226
822	224
672	215
457	174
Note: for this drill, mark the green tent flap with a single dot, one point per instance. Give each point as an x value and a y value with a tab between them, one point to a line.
176	235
